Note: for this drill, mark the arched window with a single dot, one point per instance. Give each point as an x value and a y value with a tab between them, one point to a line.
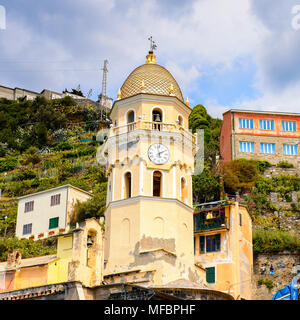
157	183
183	186
180	120
127	185
131	120
90	254
156	117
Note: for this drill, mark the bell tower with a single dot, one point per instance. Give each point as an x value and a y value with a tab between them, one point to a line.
149	215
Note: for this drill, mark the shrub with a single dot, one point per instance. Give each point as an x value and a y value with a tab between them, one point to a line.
267	282
284	164
62	146
262	165
28	248
240	175
26	174
8	164
265	241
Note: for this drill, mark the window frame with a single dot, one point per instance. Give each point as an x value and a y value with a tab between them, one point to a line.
51	220
250	145
55	202
267	144
246	123
25	226
264	124
28	204
285	125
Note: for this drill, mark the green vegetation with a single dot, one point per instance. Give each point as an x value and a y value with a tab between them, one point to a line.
265	241
40	150
267	282
28	248
284	164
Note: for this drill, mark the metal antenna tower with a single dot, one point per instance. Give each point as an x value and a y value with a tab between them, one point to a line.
104	84
103	94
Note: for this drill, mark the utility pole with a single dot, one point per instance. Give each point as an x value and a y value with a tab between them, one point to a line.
103	95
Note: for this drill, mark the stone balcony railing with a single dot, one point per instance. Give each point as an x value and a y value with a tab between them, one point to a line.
152	126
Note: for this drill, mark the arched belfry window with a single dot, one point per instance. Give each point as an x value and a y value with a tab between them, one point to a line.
180	120
127	185
130	120
156	117
157	184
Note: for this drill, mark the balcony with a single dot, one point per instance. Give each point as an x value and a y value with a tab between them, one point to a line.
152	126
211	224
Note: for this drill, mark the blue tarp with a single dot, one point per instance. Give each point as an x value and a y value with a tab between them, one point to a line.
290	292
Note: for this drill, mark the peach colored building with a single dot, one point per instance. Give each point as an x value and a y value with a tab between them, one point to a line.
261	135
223	246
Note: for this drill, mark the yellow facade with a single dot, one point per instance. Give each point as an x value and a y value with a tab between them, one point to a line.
149	224
233	260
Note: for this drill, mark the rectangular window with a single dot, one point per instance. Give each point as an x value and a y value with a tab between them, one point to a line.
53	223
290	149
55	200
245	123
202	244
213	243
240	219
266	124
29	206
246	146
267	147
210	275
27	228
288	126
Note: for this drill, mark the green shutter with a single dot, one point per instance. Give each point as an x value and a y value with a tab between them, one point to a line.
240	219
218	242
210	275
53	223
202	244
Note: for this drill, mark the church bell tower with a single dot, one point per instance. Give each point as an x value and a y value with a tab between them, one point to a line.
149	215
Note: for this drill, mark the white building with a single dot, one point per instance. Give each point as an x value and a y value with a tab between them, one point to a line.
47	212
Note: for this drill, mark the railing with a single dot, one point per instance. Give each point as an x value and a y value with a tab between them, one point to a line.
153	126
211	224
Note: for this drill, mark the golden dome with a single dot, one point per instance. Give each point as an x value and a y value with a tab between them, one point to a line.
150	78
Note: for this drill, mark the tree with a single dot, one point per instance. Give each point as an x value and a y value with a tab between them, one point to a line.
239	175
200	119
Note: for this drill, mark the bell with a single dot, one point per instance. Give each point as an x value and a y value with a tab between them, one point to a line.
89	242
157	118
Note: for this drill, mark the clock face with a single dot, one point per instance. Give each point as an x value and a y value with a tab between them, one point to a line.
158	153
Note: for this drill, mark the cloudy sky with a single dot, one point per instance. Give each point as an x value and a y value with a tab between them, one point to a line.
223	53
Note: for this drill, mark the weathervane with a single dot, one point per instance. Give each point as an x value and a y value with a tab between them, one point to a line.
153	46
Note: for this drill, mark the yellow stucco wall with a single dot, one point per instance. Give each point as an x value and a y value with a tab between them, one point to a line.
234	262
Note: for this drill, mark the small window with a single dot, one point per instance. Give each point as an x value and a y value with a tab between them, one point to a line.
27	228
127	180
266	124
245	123
240	219
53	223
288	126
290	149
157	177
267	148
210	275
55	200
29	206
213	243
246	146
202	244
180	121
